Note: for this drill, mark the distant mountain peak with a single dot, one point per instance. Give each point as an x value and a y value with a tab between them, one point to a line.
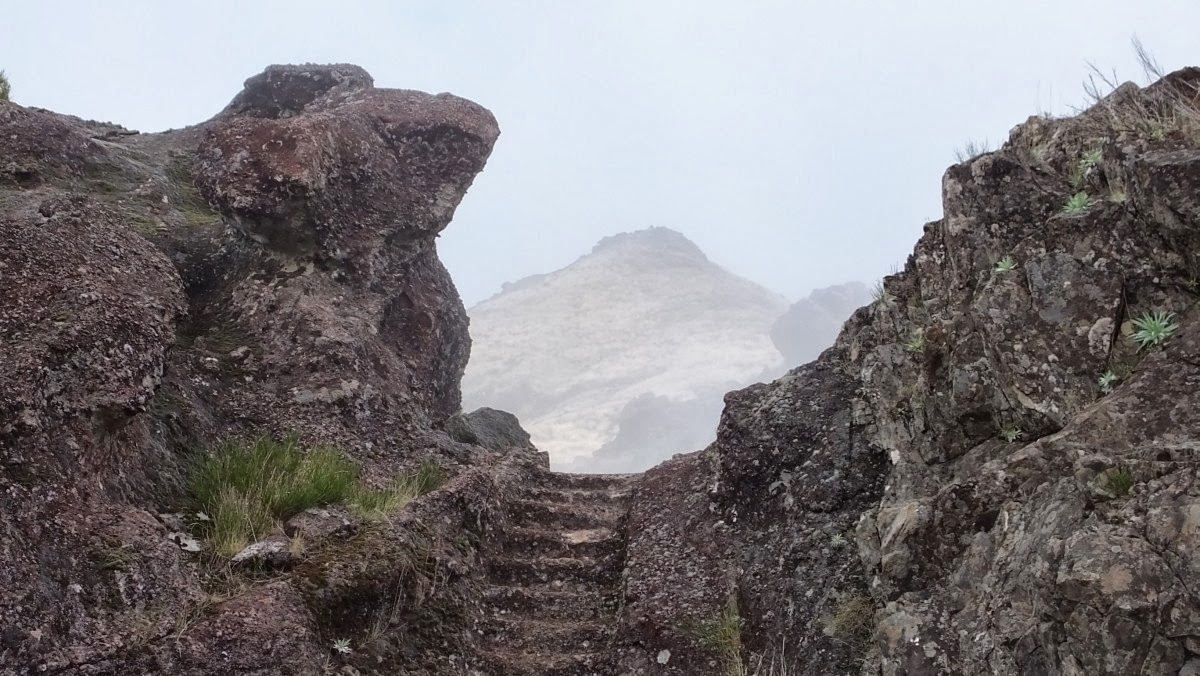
656	239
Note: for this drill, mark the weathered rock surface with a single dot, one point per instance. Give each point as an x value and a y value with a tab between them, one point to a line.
268	271
952	471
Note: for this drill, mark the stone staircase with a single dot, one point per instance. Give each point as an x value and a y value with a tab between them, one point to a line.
553	583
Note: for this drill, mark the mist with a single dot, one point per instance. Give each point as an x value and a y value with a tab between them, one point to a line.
798	145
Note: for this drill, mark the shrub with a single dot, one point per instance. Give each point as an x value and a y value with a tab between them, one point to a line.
1153	328
5	87
880	296
971	149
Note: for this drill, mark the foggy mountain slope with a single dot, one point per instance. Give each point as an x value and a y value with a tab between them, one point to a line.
645	313
811	324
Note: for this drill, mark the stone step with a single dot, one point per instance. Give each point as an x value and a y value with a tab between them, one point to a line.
515	634
562	543
521	663
606	482
552	601
548	515
505	570
573	496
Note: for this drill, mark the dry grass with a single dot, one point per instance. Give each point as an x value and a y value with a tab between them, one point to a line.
1165	111
852	622
377	504
722	635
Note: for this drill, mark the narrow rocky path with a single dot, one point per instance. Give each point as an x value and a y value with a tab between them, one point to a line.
554	584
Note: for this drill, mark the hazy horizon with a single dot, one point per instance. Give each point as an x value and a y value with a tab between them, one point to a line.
798	145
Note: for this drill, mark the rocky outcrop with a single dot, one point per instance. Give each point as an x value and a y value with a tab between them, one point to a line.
270	271
986	473
643	322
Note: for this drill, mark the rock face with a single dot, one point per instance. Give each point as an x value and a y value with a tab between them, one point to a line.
951	489
271	270
643	321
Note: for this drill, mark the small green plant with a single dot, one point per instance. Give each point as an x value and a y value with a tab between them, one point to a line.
880	296
722	635
1108	380
1116	481
915	342
852	622
1011	434
1077	204
1091	159
1118	196
1006	264
5	87
1153	328
837	541
342	646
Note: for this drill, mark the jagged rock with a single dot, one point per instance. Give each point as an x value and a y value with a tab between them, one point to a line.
268	271
1026	521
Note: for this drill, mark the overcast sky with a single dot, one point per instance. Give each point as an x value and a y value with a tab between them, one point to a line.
800	144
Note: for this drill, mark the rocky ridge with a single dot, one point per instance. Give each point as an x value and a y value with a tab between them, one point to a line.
270	271
987	473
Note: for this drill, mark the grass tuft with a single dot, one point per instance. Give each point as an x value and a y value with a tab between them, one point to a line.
1116	481
377	504
5	87
722	635
852	622
248	486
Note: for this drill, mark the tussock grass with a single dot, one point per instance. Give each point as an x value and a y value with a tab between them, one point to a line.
722	635
247	487
852	622
376	504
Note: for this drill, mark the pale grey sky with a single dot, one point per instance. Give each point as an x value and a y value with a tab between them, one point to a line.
799	144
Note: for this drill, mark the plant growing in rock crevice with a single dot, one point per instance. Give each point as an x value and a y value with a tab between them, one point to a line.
852	622
1006	264
5	87
1077	204
1153	328
247	488
722	635
1116	481
1108	381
